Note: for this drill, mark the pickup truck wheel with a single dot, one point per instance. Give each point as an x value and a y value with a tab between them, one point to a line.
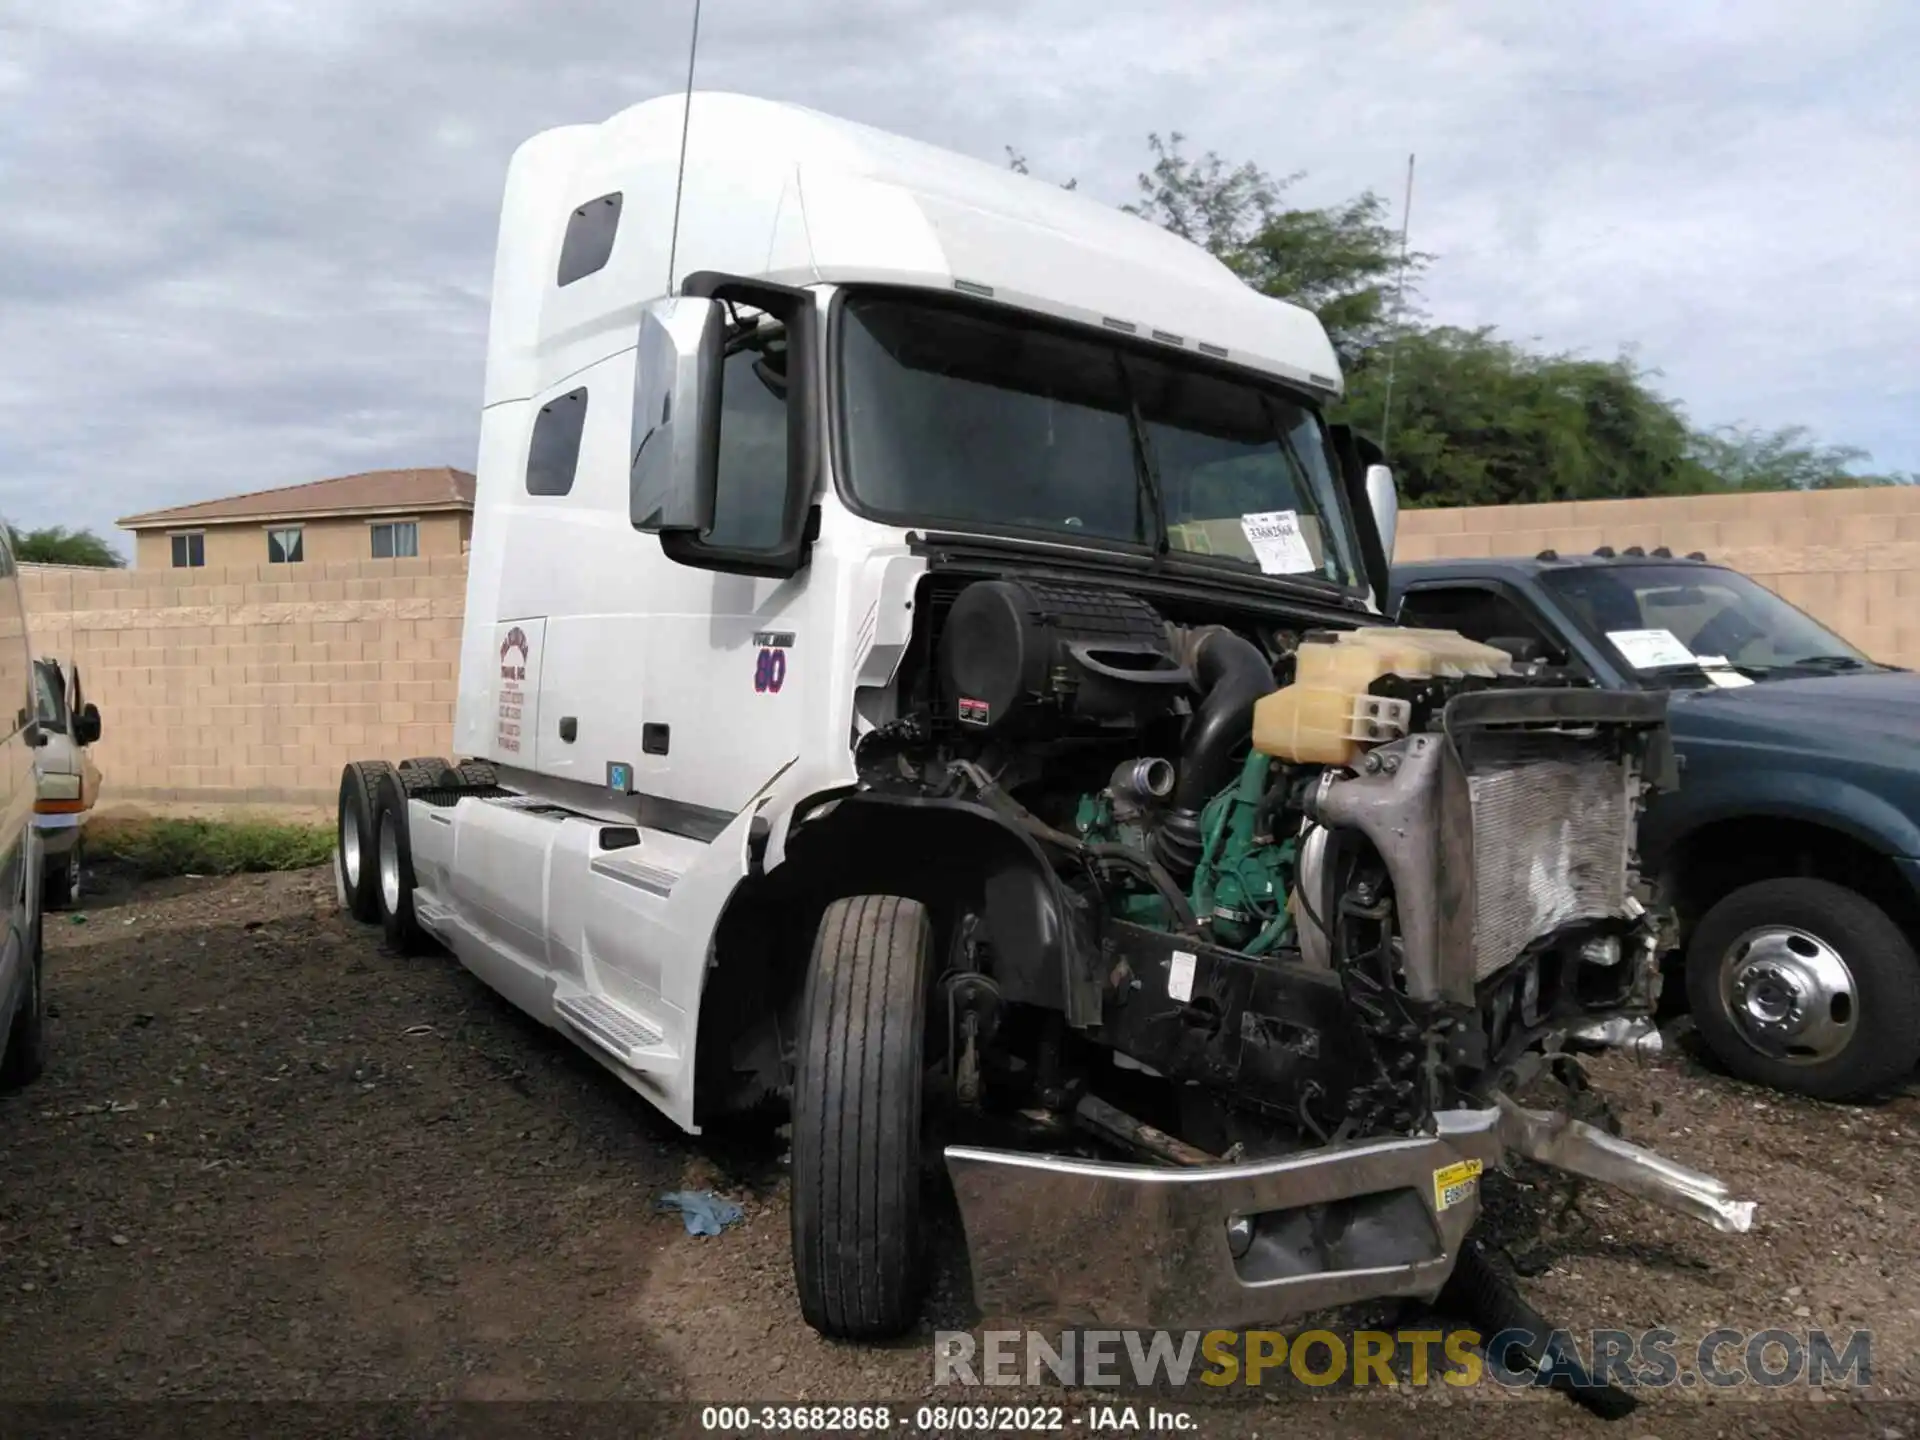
1806	986
857	1256
355	836
393	868
25	1056
60	881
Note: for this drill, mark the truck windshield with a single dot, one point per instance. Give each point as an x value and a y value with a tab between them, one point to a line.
962	415
1659	617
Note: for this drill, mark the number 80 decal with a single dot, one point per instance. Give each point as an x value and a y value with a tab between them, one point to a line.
770	672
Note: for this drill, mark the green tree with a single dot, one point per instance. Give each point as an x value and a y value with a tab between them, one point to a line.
1478	420
57	545
1784	459
1340	261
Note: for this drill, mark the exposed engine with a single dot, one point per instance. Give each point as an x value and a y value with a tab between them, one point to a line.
1337	879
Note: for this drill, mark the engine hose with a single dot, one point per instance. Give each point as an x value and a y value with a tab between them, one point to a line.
1117	855
1479	1294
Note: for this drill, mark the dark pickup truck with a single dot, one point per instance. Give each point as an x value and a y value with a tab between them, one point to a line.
1791	848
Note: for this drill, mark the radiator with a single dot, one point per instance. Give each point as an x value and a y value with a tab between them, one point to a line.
1552	833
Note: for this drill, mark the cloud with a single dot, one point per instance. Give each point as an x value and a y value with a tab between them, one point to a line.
249	244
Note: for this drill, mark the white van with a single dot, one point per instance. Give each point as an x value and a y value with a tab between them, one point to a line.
68	781
23	1037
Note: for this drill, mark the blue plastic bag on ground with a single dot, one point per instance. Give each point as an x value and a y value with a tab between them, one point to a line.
705	1212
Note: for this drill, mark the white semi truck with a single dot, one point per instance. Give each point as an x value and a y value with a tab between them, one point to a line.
921	663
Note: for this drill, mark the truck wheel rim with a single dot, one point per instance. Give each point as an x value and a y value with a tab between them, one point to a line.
350	851
1789	994
389	870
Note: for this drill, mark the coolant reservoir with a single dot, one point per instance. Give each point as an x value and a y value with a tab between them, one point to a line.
1326	717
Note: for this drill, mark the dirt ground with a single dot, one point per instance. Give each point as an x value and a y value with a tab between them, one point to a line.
271	1162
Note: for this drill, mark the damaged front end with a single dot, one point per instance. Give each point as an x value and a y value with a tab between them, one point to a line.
1257	1242
1303	913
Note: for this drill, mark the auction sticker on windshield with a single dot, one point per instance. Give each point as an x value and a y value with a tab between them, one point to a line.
1720	673
1650	649
1277	542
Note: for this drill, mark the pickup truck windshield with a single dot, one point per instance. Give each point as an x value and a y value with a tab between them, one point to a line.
1708	611
972	417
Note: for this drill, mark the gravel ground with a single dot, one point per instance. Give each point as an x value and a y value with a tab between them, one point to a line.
271	1162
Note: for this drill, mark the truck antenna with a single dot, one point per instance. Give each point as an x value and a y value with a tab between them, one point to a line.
686	123
1399	310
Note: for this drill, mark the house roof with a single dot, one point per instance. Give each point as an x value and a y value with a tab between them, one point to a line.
377	492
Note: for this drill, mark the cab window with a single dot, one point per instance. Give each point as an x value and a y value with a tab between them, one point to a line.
751	510
1481	614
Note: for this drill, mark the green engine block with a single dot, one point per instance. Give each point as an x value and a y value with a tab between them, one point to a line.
1241	884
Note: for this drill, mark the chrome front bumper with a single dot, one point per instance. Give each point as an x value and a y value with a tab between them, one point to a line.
1230	1245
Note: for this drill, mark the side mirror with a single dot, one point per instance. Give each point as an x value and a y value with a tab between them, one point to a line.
31	732
86	725
679	394
676	415
1383	498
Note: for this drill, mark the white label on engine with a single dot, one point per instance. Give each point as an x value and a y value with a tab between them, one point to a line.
1650	649
1277	542
1180	976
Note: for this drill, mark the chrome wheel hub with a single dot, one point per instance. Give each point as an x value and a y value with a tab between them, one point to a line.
1789	994
350	851
389	869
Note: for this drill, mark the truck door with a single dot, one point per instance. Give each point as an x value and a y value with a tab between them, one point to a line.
732	659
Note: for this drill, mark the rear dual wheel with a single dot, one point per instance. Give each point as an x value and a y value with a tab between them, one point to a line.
1806	986
374	867
359	880
393	867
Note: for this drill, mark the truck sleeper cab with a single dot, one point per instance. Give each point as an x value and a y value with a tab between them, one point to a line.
920	655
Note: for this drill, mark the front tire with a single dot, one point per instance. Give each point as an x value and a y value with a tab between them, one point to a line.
60	883
857	1253
25	1057
1806	986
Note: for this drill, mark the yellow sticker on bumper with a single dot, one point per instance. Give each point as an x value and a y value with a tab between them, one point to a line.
1454	1183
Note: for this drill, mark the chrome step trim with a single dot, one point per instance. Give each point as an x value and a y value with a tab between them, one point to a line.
613	1028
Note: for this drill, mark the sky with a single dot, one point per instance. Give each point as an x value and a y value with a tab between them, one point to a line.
250	244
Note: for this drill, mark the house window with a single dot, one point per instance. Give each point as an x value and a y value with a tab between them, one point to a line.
589	239
396	540
283	546
555	451
189	551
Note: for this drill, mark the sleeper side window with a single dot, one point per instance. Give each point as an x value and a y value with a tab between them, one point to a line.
589	239
554	455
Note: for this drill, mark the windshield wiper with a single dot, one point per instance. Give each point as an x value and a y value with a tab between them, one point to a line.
1145	473
1678	665
1829	662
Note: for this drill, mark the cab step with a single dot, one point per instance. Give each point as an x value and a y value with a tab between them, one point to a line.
633	1040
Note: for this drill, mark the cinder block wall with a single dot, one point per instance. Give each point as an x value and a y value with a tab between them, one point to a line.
1850	558
255	683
